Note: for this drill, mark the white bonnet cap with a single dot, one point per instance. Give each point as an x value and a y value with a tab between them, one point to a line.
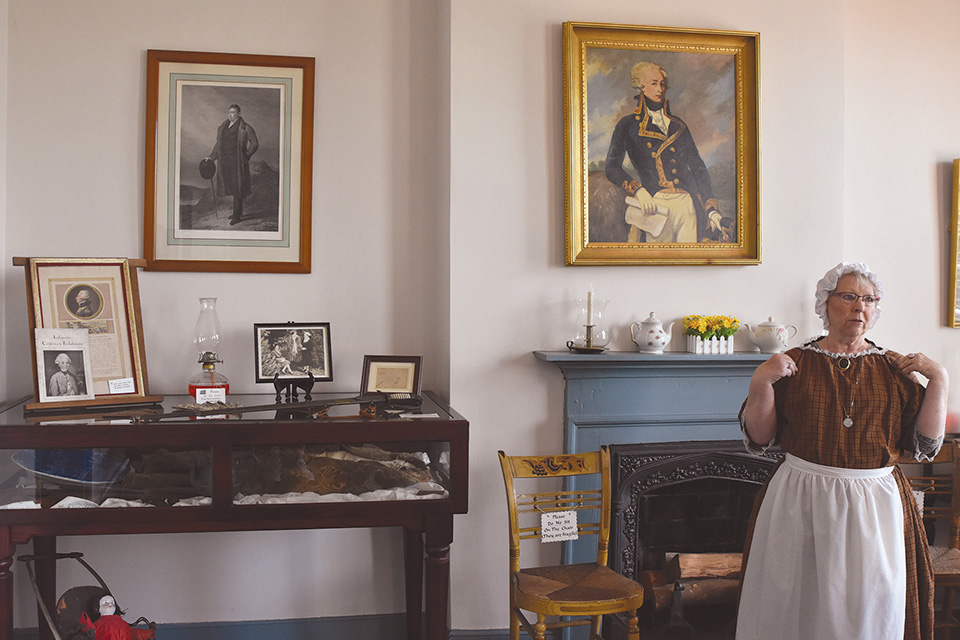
828	284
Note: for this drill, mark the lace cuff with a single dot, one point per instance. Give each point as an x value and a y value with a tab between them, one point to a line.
751	446
926	448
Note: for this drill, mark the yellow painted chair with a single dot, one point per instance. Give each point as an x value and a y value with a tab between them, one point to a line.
941	503
589	590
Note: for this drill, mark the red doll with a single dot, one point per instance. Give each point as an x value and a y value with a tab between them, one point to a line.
110	626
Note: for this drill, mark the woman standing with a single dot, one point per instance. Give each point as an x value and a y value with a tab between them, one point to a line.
838	549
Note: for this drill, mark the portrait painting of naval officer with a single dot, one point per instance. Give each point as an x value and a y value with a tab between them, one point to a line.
661	147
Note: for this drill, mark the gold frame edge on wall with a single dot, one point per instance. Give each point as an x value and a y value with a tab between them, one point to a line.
953	313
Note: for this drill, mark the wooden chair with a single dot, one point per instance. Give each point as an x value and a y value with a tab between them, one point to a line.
576	590
940	504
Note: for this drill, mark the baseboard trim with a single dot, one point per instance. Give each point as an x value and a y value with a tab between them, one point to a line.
382	627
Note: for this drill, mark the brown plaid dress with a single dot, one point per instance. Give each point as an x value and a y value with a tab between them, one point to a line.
811	407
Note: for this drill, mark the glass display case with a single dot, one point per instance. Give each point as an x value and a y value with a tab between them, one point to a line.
348	465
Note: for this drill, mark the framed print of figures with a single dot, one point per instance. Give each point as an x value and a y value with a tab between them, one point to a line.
391	374
953	305
229	162
293	350
661	145
98	298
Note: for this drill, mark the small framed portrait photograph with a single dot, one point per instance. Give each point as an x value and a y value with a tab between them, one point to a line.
293	350
63	365
391	374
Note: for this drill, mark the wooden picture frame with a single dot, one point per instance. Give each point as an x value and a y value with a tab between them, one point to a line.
292	351
205	208
391	374
101	295
953	299
639	195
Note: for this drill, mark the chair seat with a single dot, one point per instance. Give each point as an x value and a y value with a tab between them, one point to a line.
568	587
945	560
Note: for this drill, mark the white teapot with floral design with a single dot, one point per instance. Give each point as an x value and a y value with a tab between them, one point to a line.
770	336
649	335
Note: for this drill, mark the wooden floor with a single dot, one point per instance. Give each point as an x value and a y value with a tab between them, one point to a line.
704	622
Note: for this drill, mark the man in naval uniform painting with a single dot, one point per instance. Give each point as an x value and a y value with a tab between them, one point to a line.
671	198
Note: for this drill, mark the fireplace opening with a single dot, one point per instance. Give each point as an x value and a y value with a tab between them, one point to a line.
680	517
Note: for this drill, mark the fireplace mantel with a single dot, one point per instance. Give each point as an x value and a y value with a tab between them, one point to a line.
623	397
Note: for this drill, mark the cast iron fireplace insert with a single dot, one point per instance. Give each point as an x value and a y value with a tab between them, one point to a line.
683	497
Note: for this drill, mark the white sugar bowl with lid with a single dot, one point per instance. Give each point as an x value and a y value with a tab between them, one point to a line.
649	335
770	336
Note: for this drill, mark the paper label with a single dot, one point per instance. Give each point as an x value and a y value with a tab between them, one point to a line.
558	525
212	394
122	385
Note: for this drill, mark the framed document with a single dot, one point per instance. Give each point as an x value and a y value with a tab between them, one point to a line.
98	297
391	374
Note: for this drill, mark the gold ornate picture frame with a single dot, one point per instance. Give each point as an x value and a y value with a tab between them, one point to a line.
228	162
953	300
101	296
661	140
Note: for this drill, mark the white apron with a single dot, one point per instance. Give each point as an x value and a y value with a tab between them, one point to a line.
827	559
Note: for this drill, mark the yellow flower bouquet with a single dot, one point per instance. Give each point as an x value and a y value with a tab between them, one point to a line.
710	334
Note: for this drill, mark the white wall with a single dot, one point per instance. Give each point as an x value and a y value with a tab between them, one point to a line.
3	183
438	228
507	144
900	99
75	114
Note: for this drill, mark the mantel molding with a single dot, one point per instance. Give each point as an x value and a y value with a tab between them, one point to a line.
640	365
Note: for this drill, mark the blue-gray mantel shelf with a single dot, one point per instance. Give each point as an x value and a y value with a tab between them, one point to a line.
620	397
623	397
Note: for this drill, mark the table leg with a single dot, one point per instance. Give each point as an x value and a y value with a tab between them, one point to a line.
6	585
439	534
44	548
413	580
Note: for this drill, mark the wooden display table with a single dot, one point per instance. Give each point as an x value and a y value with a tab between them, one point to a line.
30	442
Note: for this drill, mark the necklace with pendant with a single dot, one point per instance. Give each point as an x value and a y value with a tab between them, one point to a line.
844	364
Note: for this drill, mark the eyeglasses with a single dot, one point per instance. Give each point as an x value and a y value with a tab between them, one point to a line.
849	298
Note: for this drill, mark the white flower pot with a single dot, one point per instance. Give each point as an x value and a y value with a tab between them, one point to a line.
719	346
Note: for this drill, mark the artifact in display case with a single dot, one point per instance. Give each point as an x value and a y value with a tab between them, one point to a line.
252	472
287	470
128	477
86	333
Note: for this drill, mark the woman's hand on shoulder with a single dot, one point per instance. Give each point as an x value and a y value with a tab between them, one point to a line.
778	366
919	363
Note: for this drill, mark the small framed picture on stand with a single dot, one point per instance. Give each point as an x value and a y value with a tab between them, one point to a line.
391	374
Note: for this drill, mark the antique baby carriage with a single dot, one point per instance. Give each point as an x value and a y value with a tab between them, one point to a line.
86	612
